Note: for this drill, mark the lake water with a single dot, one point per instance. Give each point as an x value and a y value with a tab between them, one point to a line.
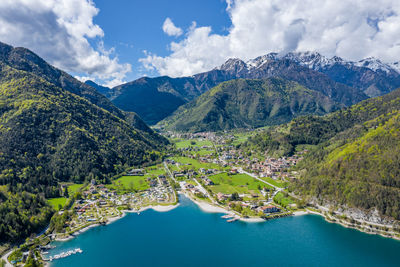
186	236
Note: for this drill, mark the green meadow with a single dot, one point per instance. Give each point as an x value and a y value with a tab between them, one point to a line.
240	183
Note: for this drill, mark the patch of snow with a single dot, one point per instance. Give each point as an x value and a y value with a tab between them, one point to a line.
374	64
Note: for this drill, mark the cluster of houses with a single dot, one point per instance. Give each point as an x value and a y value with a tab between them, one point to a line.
196	149
255	206
193	189
275	167
99	196
136	172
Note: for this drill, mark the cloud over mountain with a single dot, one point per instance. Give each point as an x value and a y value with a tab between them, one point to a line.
60	32
258	27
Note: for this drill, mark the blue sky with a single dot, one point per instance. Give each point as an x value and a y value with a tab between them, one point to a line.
134	26
105	40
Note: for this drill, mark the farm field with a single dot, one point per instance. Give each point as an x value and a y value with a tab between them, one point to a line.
193	143
195	164
56	202
240	183
126	183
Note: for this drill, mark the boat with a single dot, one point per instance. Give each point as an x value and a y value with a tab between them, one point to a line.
227	216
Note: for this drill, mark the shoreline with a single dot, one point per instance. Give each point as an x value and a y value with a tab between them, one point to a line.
210	208
353	226
157	208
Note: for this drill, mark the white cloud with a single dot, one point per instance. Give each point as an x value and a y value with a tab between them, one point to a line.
353	29
59	31
170	29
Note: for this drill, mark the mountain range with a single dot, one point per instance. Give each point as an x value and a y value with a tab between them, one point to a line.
370	75
343	81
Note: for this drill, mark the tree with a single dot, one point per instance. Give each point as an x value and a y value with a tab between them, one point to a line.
66	194
78	195
235	196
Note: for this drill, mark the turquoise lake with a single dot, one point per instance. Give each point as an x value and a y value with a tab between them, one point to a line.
187	236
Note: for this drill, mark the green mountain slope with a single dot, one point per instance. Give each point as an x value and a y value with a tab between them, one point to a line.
246	104
53	128
152	98
70	138
23	59
356	159
49	135
358	168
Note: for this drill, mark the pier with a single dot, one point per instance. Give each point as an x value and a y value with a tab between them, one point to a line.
64	254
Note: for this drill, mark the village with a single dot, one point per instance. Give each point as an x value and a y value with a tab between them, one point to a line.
101	204
213	170
208	169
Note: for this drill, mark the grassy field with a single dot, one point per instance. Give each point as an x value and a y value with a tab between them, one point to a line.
240	183
278	183
241	138
155	171
130	183
282	200
173	167
126	184
202	152
198	143
191	182
74	188
55	202
195	164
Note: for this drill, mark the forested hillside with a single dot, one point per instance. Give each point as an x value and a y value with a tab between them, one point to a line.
247	104
356	159
49	135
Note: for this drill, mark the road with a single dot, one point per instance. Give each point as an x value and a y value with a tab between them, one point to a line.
169	172
277	189
204	191
240	170
5	258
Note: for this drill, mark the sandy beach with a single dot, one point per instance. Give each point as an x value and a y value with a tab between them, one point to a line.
300	212
160	208
207	207
79	232
252	220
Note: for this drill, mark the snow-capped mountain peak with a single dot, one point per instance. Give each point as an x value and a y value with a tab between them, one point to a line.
395	66
374	64
260	61
311	60
233	64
